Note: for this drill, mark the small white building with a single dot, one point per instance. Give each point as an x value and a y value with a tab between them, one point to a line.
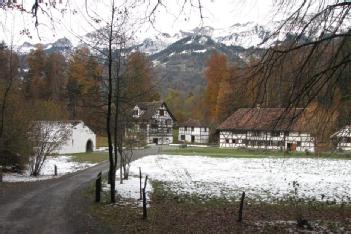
266	128
342	138
153	121
80	137
192	131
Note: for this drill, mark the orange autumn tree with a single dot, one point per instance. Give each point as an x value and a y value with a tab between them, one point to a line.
217	70
232	93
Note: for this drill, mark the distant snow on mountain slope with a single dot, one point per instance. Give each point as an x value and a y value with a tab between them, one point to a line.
245	35
62	45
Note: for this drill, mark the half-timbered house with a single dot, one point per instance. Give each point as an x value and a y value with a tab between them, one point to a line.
266	128
192	131
342	138
153	122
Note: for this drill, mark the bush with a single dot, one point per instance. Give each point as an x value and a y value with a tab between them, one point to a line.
11	161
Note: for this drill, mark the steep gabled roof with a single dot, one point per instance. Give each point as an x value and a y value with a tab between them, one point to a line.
150	109
343	132
192	123
281	119
63	122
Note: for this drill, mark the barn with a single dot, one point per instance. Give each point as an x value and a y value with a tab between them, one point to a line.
267	128
80	137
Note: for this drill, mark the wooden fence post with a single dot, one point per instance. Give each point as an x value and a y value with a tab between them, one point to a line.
144	200
240	219
141	189
1	174
98	188
55	170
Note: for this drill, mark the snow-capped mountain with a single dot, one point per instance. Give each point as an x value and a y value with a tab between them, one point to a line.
62	45
181	58
244	35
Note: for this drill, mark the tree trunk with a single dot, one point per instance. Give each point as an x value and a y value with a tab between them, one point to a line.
112	177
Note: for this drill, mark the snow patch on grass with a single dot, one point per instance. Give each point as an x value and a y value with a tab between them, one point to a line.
64	165
130	189
266	179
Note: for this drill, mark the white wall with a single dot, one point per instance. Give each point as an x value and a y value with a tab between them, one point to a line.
201	134
77	142
344	146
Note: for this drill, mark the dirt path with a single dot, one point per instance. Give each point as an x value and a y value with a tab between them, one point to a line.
52	206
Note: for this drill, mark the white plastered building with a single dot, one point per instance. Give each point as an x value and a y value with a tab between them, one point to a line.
80	138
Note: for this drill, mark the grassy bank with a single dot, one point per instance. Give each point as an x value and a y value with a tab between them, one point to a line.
246	153
91	157
173	213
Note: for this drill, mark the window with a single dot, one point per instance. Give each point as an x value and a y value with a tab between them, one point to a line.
182	137
192	128
226	140
162	112
136	112
235	141
168	122
205	129
299	143
186	129
168	130
256	133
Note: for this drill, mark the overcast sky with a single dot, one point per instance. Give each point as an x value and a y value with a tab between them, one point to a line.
170	19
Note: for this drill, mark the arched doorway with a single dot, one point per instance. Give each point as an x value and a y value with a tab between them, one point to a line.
89	146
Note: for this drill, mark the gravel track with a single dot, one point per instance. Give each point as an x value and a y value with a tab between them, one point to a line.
53	206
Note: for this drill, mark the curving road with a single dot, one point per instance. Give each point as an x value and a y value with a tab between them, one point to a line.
53	206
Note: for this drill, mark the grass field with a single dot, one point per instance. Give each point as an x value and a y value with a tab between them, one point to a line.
91	157
245	153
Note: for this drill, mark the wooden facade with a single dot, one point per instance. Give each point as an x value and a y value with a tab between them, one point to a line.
153	122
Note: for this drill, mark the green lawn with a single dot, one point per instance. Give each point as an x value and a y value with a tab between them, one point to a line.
92	157
243	153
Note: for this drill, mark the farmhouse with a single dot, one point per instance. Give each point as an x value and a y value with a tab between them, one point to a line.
80	138
194	132
342	138
267	128
154	122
